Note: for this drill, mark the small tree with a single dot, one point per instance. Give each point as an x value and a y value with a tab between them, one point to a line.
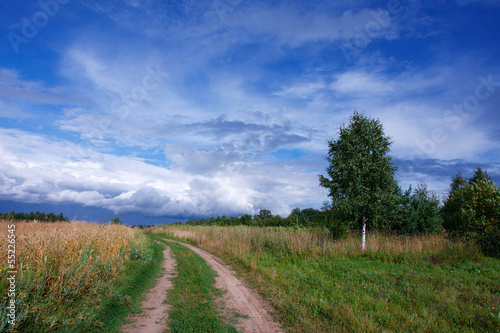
246	219
296	218
116	220
360	175
424	217
472	211
264	214
415	211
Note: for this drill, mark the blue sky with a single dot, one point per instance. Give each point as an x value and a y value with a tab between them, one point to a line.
160	111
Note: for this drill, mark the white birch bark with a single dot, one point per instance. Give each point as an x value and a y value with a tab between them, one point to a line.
363	235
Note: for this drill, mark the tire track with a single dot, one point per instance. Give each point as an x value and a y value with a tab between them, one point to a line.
155	311
253	312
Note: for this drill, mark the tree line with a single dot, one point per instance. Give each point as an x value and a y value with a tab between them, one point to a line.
42	217
298	218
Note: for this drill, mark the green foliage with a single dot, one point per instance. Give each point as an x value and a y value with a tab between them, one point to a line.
472	211
264	214
360	174
424	216
116	220
415	212
308	217
337	229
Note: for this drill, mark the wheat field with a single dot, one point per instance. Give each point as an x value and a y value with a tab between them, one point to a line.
60	265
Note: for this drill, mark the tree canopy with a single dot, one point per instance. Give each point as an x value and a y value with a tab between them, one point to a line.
360	173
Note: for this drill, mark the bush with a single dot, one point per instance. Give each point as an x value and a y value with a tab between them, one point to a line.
414	212
337	229
425	211
419	212
336	226
489	243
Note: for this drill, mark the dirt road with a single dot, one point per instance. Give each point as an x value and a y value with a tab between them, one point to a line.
253	315
239	298
153	318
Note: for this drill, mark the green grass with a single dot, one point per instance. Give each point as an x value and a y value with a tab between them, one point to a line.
128	291
445	287
193	296
375	293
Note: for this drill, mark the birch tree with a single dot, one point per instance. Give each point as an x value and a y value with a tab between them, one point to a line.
360	173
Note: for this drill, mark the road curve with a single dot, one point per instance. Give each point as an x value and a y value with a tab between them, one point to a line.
255	317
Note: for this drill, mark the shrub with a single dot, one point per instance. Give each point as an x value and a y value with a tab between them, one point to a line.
333	221
417	212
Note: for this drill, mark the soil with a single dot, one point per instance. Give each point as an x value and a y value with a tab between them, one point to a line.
155	311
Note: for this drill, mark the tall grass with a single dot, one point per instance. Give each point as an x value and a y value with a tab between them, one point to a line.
421	283
64	270
241	240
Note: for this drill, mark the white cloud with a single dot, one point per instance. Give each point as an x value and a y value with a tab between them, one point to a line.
292	26
376	84
362	83
220	180
302	90
420	130
14	88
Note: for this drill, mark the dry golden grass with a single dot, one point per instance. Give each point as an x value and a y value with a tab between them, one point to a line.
240	240
65	262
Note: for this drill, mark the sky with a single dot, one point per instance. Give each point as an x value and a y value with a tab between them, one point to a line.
159	111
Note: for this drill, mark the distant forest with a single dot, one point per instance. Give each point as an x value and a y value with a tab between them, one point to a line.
42	217
308	217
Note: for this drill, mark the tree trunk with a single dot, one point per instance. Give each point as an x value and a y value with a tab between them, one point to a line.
363	235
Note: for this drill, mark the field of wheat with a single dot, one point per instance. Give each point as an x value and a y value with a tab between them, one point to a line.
63	269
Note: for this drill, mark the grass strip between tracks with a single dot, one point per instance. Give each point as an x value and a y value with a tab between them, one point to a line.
192	300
